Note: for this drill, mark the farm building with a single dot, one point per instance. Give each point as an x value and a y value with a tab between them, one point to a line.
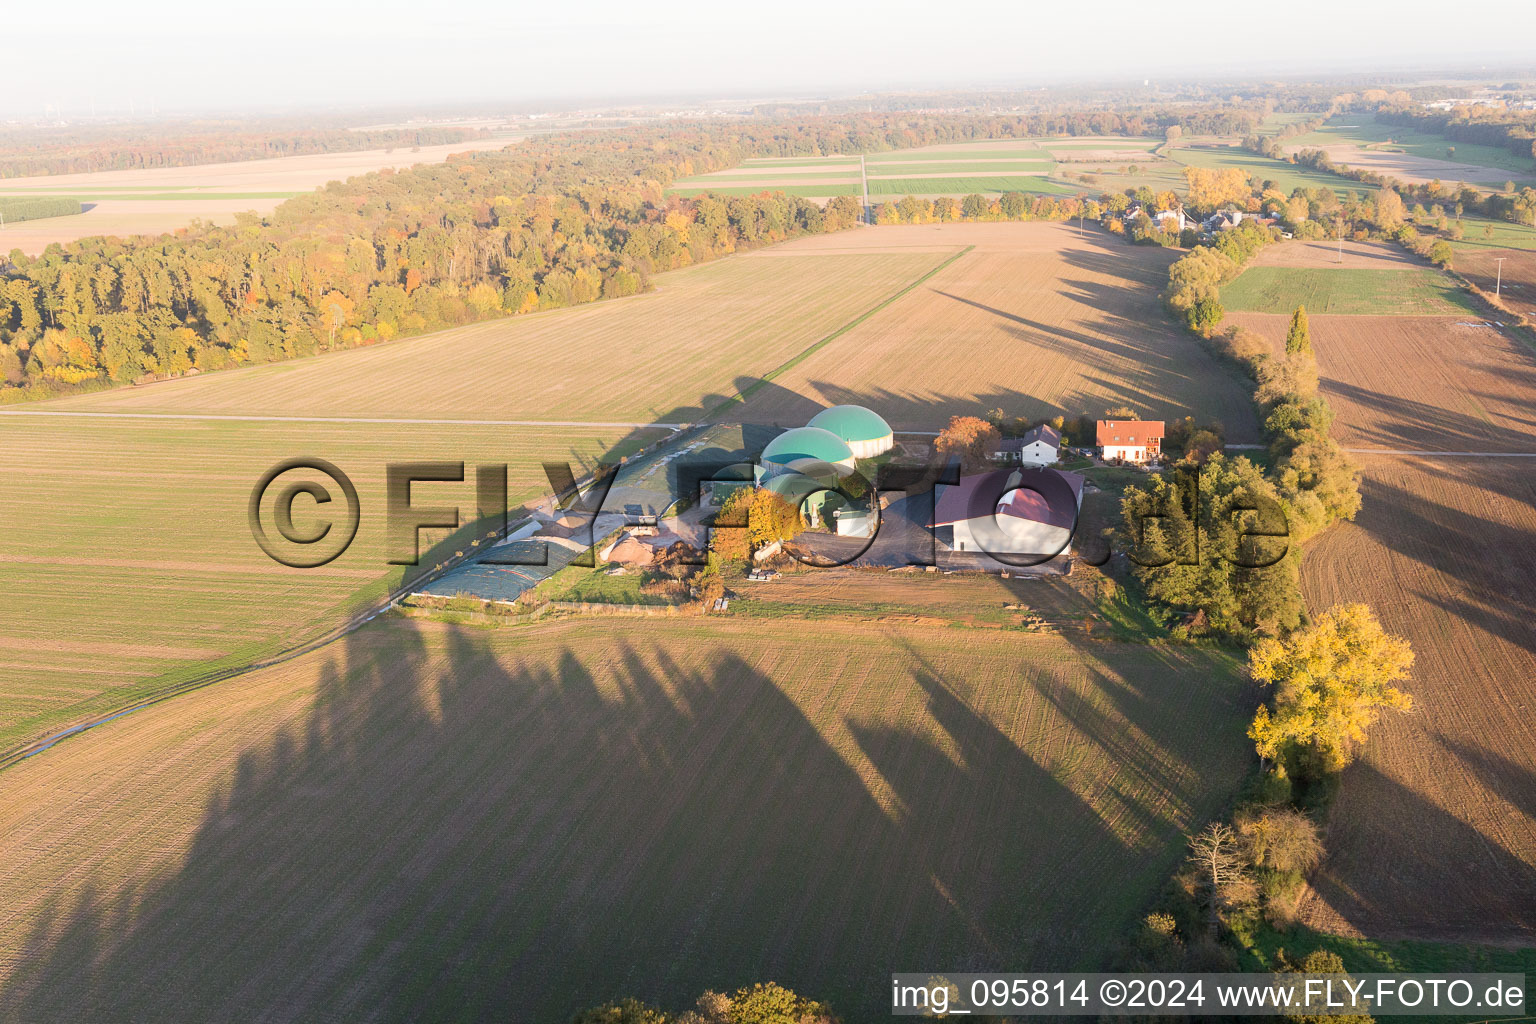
1131	440
1009	512
810	451
1040	446
864	431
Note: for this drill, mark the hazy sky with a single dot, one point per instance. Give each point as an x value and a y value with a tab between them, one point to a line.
196	54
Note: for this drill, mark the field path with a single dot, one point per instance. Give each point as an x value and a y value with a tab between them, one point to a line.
336	419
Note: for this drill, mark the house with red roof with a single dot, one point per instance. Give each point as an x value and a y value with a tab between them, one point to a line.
1131	440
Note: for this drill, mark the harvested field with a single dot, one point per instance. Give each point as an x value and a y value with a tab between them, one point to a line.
1034	320
1433	833
1410	291
255	184
1420	383
129	547
502	824
665	356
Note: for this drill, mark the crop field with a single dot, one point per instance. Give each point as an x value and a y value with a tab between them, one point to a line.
499	824
1360	141
1433	833
666	356
152	581
127	542
1410	291
161	199
1034	320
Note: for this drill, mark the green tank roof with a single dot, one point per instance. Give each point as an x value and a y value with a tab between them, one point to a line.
852	423
792	446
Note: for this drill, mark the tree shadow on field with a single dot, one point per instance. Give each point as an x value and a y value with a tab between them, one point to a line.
1398	422
1400	866
1491	560
495	826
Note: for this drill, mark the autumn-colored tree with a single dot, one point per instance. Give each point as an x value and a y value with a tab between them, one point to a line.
1320	961
1299	337
1212	188
969	438
1331	679
751	518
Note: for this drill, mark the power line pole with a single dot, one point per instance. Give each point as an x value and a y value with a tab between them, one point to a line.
1498	282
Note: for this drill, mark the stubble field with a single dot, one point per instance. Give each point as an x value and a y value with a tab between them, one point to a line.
425	821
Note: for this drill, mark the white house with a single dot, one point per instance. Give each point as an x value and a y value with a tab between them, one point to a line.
1009	512
1040	446
1131	440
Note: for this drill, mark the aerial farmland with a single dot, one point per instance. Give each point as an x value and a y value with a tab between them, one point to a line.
711	541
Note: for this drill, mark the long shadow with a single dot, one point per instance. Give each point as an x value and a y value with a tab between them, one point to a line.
1394	880
481	827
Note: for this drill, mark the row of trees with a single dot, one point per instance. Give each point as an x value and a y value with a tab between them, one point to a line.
1010	206
760	1004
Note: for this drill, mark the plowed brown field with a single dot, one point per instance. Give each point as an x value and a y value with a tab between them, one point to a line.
1421	383
1433	833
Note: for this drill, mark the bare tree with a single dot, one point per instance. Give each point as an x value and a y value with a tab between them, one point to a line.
1224	880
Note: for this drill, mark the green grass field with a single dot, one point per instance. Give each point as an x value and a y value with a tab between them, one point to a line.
1274	123
1287	176
699	187
1505	235
959	154
1412	292
471	823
